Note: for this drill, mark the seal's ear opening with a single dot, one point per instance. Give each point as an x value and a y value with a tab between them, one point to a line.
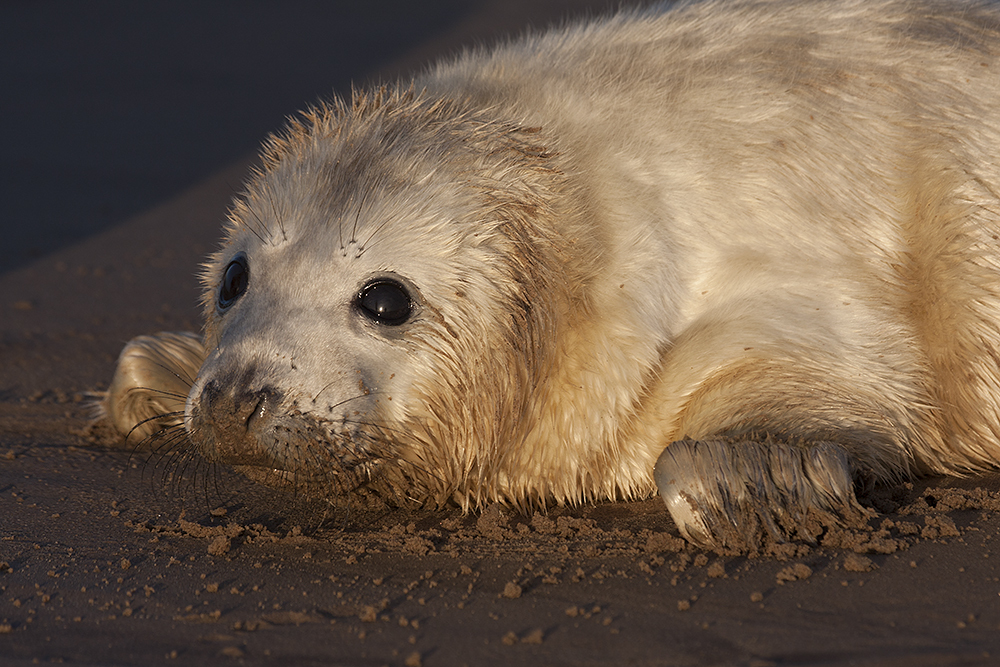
385	301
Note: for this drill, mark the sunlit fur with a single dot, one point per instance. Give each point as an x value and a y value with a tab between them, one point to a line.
766	221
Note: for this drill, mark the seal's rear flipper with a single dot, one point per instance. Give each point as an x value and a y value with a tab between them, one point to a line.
151	383
735	495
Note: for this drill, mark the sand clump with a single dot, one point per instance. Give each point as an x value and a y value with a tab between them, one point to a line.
794	573
858	563
895	520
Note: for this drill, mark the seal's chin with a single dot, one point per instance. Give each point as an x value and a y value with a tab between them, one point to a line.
305	480
271	476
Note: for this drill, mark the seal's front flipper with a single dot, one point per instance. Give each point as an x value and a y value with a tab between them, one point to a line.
151	383
736	495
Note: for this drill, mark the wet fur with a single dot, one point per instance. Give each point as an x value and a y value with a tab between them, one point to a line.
762	233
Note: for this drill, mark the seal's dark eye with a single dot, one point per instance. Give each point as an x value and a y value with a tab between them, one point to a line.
234	281
385	302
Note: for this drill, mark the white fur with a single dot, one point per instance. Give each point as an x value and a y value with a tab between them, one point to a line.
747	220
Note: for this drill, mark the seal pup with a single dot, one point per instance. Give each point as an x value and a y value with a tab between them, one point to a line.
744	253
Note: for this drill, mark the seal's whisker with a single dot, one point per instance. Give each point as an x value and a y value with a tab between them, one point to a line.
186	460
165	415
382	427
357	214
368	242
278	217
165	438
254	228
340	231
325	387
261	226
155	390
145	442
154	443
216	472
170	463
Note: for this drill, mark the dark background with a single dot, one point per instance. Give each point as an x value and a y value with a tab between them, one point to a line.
109	107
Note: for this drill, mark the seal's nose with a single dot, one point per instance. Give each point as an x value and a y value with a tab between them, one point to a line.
238	405
231	417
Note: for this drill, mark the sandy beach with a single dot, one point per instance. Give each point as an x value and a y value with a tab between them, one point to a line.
133	131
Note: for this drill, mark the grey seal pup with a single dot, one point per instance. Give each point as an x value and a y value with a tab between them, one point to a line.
742	253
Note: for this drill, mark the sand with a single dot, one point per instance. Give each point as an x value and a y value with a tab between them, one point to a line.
112	557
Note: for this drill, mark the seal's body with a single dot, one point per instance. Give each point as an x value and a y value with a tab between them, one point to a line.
754	244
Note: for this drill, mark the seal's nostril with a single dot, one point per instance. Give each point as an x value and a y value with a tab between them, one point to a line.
267	399
209	395
258	411
234	418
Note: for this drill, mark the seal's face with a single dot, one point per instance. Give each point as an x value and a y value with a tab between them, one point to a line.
359	307
300	377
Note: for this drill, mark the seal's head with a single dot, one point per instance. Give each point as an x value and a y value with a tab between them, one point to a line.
379	310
